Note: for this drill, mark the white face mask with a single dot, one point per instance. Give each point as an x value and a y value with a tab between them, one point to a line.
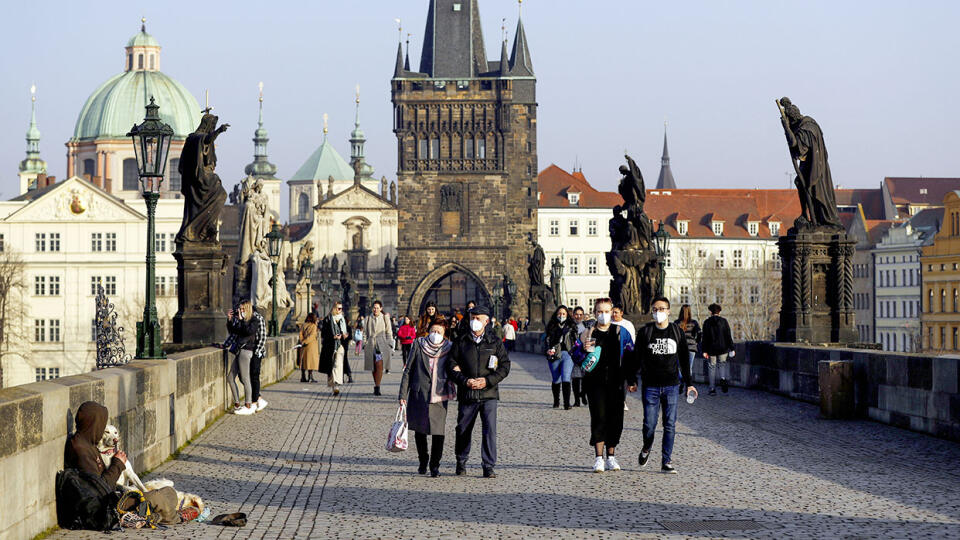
604	318
660	316
476	325
436	338
561	319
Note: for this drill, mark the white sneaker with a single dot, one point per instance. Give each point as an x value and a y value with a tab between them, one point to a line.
261	404
598	465
625	407
612	464
246	411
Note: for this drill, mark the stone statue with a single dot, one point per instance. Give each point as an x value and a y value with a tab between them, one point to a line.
330	187
306	254
347	287
255	223
631	187
358	239
536	262
383	187
386	263
393	192
396	265
335	264
324	262
808	153
202	190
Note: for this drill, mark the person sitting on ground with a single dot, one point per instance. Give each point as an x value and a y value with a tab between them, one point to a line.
81	452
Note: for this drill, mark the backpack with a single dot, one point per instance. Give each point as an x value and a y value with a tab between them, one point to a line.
713	336
85	501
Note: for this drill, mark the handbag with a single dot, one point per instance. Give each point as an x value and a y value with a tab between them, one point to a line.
397	438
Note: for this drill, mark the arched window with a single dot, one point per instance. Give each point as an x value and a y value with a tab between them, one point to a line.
435	147
140	61
943	300
89	167
468	147
303	205
152	63
130	177
481	148
129	62
174	175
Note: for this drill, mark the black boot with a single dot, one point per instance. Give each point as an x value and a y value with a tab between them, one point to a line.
583	392
422	452
376	390
303	375
310	376
576	391
566	395
556	395
436	452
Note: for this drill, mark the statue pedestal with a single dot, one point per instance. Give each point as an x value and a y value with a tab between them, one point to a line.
540	307
201	316
817	274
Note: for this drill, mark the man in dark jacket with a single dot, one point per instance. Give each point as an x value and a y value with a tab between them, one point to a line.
717	344
80	451
480	362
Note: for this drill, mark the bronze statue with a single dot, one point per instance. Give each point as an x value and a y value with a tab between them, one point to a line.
536	262
631	186
203	193
808	153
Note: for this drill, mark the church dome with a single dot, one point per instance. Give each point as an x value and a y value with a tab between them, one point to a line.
118	104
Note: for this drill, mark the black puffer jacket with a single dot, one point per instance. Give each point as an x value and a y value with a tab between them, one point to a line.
560	336
473	359
716	336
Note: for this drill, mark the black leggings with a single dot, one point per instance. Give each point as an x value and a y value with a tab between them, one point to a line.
606	412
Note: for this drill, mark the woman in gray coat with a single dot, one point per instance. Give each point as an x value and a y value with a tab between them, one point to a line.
425	390
378	333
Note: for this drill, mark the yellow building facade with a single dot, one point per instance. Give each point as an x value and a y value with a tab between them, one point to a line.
940	271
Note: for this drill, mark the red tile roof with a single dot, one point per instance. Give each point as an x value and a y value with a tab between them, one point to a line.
877	227
920	190
554	183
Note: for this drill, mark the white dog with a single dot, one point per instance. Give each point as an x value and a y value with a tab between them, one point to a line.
109	445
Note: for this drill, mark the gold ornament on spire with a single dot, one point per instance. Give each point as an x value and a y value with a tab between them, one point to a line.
260	87
33	92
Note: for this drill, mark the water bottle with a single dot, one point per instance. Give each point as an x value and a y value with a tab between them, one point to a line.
691	397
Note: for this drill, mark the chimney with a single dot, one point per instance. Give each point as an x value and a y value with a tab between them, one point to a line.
96	181
41	180
108	185
51	180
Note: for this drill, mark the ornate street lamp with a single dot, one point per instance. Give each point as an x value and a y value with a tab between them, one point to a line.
151	144
308	269
274	240
661	240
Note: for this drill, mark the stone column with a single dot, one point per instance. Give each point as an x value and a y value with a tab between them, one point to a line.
201	317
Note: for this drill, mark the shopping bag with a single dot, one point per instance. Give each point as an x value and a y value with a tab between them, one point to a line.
397	439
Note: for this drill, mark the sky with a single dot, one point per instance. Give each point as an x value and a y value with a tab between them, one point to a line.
878	76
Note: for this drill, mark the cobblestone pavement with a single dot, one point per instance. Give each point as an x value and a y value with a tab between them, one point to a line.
312	465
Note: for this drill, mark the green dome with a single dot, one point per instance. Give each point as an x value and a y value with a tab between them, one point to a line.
142	39
118	104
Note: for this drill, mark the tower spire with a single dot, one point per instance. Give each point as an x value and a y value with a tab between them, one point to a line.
32	165
261	166
406	61
520	63
665	181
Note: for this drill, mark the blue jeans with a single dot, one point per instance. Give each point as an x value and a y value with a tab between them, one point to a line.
561	368
653	398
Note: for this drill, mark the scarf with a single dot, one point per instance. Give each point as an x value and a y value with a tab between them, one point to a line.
441	388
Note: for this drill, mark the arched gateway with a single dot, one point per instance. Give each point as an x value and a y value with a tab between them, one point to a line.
449	286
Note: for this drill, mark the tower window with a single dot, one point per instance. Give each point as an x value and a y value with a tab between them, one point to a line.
481	149
468	147
139	61
303	205
435	148
175	175
129	62
131	177
152	63
422	149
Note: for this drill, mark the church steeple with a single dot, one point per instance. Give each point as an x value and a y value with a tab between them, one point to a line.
520	63
362	171
32	165
399	68
261	167
666	180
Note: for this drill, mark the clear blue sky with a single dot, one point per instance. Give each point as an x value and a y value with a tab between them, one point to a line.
880	77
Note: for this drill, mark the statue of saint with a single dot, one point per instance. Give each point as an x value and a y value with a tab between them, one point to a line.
631	187
818	204
202	190
255	223
536	262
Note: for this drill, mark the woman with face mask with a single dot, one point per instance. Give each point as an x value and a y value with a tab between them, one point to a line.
561	336
425	390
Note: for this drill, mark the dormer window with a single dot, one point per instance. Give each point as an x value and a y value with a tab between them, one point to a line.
717	228
682	227
753	228
774	228
573	198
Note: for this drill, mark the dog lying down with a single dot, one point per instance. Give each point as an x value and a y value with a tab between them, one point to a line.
109	445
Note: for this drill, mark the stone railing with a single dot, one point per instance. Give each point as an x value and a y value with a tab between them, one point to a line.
158	406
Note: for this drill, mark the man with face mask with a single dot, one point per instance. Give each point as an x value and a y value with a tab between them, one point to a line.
660	347
480	362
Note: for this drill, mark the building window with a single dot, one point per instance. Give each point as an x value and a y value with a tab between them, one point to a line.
139	61
682	228
943	300
592	266
468	147
702	295
54	285
574	266
39	285
55	241
131	176
95	281
175	177
738	258
481	148
2	246
554	227
40	240
718	228
774	228
669	263
720	297
955	336
111	241
54	330
701	253
719	261
684	294
930	301
303	205
435	148
954	300
39	330
753	227
161	286
574	302
96	241
422	149
40	374
591	228
110	285
173	285
943	337
573	198
160	242
574	226
151	61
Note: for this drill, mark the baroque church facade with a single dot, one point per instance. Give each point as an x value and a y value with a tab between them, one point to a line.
466	130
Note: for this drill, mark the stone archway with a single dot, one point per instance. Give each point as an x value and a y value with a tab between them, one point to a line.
450	286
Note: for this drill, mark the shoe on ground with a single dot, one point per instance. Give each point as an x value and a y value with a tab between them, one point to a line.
422	469
461	469
350	379
643	457
434	473
612	464
489	473
262	404
625	407
566	407
712	392
598	465
724	385
336	391
246	411
668	468
376	390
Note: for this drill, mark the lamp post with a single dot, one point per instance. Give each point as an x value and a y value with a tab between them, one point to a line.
308	269
662	246
151	144
497	299
274	238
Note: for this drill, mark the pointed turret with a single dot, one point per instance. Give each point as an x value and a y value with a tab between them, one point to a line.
399	68
453	41
520	63
406	59
357	141
666	180
504	60
261	166
32	165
